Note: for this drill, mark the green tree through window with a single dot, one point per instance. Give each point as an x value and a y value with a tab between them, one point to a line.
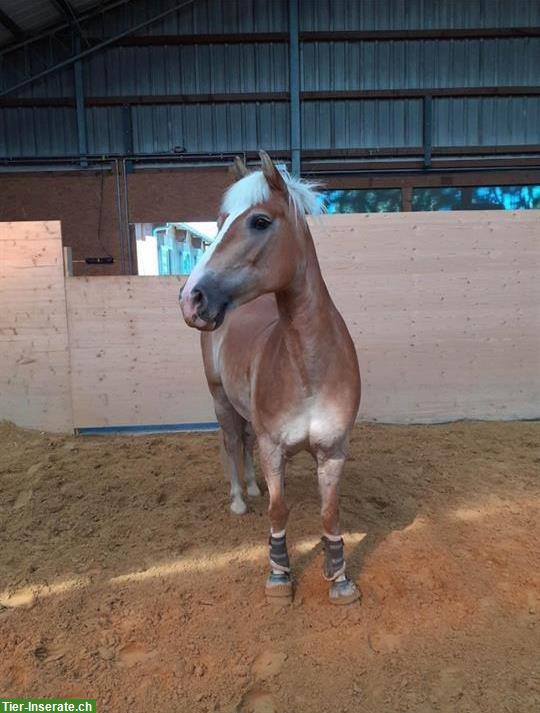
376	200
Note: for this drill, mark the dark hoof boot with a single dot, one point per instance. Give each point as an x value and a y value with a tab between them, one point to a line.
344	592
279	586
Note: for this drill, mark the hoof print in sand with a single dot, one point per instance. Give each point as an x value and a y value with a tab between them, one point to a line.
256	701
132	654
268	664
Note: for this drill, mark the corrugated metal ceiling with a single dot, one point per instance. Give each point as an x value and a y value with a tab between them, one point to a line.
207	16
338	15
32	16
326	66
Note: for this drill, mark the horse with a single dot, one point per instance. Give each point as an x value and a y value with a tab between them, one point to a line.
279	360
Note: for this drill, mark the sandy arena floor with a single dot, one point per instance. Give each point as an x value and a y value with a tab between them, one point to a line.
124	577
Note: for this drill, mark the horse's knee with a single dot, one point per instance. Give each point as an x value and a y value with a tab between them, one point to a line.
278	512
231	441
330	519
249	439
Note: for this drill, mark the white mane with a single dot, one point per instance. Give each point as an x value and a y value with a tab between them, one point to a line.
253	189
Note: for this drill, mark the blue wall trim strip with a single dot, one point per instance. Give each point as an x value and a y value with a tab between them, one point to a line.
157	428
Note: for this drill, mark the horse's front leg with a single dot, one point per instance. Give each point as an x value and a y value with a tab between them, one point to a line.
249	466
278	583
329	469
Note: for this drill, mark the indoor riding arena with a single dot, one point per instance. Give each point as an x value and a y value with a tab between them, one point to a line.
237	174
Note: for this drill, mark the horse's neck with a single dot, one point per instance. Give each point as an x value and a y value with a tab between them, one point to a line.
307	313
305	297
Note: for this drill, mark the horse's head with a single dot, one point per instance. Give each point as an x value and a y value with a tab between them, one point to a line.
259	246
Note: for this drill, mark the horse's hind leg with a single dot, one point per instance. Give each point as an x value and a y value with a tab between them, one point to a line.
249	466
232	431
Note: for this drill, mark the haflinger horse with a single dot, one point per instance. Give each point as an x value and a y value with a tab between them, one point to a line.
279	360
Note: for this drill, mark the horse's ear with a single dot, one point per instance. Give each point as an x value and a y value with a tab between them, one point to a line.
239	168
272	175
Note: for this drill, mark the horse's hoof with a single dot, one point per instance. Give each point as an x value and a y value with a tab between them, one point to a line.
253	490
238	506
279	587
344	592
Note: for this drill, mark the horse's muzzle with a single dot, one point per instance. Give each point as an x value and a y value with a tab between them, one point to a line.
204	306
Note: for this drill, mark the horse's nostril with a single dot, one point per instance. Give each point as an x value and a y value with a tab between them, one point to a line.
198	298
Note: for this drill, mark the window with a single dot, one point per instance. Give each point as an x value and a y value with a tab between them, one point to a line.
376	200
171	248
436	198
476	198
505	197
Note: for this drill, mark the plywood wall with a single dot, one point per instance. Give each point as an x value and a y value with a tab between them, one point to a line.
134	361
34	355
444	309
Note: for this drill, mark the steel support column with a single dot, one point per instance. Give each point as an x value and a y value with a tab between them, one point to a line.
294	88
82	136
127	129
427	128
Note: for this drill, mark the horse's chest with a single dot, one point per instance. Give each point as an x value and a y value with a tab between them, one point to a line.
295	430
312	424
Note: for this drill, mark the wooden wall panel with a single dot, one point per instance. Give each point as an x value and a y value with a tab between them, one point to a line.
444	309
134	360
34	354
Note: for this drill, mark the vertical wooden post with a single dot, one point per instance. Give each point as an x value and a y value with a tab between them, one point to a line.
68	262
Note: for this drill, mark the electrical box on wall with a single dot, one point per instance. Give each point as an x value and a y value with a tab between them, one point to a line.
107	260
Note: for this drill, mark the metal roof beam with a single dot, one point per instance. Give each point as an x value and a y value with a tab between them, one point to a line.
96	48
236	38
247	97
383	173
65	8
256	37
54	29
11	25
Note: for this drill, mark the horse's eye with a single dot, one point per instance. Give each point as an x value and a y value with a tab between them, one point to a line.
260	222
